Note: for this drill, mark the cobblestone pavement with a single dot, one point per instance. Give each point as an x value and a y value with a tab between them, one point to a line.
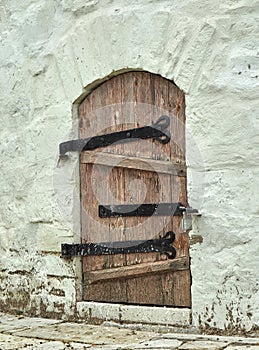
47	334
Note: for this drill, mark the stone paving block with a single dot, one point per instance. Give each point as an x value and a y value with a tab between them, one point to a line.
89	334
203	345
47	334
189	336
11	342
48	345
158	315
11	323
160	344
180	336
78	346
254	341
242	347
114	347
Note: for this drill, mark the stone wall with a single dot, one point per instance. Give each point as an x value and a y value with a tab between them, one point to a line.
52	53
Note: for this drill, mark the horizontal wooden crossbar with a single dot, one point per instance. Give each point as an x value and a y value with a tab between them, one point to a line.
137	270
146	164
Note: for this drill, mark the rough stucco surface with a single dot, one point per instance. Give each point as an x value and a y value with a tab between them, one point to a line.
50	52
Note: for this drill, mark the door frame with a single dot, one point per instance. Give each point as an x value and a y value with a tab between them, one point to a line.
106	311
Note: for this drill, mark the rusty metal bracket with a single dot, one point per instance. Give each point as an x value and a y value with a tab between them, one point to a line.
161	244
156	131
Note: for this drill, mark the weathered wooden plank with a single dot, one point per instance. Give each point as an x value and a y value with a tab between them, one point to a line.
143	164
137	172
181	281
137	270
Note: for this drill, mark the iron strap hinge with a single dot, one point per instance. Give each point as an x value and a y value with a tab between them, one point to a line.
161	244
129	210
156	131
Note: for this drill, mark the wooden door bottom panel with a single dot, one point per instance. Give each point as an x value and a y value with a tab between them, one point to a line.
167	288
177	168
123	272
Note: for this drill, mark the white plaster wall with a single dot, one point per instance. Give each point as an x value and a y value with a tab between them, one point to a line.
50	52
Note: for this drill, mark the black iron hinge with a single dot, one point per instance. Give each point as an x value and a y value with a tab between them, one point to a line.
156	131
128	210
161	245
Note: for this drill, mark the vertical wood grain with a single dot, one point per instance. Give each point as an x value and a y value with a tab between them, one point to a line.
129	100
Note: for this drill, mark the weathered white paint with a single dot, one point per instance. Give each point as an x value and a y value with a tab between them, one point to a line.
52	53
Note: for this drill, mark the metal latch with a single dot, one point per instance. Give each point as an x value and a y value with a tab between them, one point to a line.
156	131
161	245
188	214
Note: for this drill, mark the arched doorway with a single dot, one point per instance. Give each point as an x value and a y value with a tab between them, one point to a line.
117	179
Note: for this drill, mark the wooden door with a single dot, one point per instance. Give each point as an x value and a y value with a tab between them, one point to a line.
143	171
